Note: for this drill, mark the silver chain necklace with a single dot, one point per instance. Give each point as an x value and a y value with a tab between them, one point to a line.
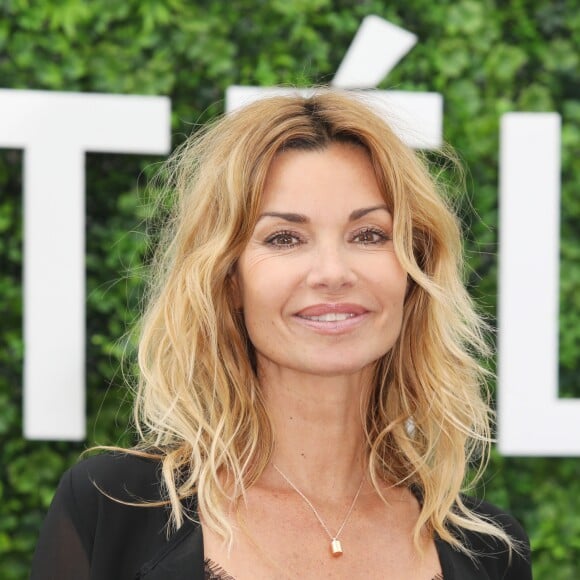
335	544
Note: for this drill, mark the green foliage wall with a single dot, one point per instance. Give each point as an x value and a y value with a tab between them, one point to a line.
486	57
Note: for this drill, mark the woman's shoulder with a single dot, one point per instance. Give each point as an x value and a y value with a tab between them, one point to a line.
124	476
110	514
497	516
489	553
116	487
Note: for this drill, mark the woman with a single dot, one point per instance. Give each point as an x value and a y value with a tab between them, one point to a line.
308	399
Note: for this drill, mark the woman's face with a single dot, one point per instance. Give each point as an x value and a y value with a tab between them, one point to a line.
319	283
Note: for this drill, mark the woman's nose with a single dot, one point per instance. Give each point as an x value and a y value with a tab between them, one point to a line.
331	268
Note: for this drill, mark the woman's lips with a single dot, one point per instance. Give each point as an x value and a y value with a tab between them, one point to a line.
331	308
332	318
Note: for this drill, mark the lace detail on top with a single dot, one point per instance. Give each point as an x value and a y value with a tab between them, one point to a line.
213	571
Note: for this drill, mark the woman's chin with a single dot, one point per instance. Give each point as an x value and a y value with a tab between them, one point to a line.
319	364
337	368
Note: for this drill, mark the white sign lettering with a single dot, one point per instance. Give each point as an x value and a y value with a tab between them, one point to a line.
55	130
532	420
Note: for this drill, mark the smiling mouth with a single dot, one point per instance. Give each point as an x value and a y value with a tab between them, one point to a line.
330	317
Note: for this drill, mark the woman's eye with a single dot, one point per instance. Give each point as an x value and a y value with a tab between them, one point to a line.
370	236
283	240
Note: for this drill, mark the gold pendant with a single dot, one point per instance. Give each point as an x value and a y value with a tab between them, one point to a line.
336	548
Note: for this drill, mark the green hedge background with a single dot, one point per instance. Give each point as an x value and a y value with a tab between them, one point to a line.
486	57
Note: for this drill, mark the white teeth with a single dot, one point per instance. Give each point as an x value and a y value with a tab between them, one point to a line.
331	317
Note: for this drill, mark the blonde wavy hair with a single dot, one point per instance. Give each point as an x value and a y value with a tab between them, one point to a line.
199	406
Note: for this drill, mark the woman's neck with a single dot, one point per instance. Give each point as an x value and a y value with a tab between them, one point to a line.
318	430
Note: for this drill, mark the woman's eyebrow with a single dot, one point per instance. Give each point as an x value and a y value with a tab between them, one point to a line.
299	218
296	218
358	213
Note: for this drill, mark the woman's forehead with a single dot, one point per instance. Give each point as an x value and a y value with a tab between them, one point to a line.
335	174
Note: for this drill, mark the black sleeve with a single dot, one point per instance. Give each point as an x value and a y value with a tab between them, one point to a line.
520	565
99	526
64	545
496	557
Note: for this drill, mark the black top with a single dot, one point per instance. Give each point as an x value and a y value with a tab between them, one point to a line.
88	536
